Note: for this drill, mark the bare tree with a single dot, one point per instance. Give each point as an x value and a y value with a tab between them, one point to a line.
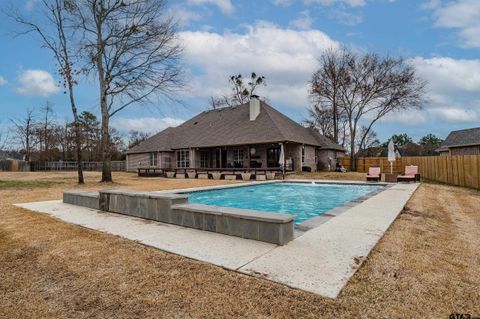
321	119
325	88
134	51
55	36
241	91
368	139
136	137
369	88
24	130
45	131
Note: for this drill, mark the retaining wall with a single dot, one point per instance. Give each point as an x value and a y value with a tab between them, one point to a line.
82	198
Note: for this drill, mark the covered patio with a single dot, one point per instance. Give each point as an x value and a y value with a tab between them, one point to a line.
257	161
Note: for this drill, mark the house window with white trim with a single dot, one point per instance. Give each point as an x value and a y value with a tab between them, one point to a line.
183	159
204	159
153	159
238	158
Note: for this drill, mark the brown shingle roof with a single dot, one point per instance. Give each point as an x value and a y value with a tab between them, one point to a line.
465	137
232	126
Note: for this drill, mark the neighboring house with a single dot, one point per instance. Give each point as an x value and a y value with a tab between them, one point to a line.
246	136
4	155
461	142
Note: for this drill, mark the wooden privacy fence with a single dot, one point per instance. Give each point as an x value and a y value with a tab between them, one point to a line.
72	166
14	166
462	170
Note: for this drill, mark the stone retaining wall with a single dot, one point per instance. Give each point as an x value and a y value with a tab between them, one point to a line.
82	198
147	205
263	226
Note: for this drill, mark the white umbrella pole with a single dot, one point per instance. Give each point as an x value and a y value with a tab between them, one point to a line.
391	168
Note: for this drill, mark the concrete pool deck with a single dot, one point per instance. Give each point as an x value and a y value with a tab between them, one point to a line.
320	261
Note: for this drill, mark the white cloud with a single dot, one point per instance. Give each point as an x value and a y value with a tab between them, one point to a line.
37	82
286	57
183	15
410	117
303	22
452	91
346	17
460	15
282	3
30	4
225	6
352	3
3	81
145	124
447	75
455	115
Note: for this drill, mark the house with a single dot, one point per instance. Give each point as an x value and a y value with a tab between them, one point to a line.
5	155
461	142
249	136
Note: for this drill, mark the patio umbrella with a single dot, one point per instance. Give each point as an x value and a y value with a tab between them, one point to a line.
391	154
281	159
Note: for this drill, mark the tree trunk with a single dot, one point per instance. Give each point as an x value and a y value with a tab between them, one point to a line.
353	160
335	124
105	147
353	156
106	154
78	140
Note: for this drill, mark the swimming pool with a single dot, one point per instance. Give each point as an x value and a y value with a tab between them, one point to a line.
306	200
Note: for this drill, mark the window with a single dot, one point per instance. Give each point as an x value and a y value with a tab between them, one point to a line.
303	154
204	159
167	162
153	159
273	157
238	158
183	159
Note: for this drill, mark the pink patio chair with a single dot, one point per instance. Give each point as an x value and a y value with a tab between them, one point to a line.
373	174
411	174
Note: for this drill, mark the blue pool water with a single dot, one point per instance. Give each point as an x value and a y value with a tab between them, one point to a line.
305	200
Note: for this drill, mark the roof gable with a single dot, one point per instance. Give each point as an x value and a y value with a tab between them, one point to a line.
462	138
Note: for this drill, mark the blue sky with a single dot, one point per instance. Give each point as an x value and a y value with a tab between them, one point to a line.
280	39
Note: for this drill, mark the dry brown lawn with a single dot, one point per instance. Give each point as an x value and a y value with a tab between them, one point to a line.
427	265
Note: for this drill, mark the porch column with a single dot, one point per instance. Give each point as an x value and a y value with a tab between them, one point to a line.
220	158
192	158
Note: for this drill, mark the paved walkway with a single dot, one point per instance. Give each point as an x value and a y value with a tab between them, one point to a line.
320	261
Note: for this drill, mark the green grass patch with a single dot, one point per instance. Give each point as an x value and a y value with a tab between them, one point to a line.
26	184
